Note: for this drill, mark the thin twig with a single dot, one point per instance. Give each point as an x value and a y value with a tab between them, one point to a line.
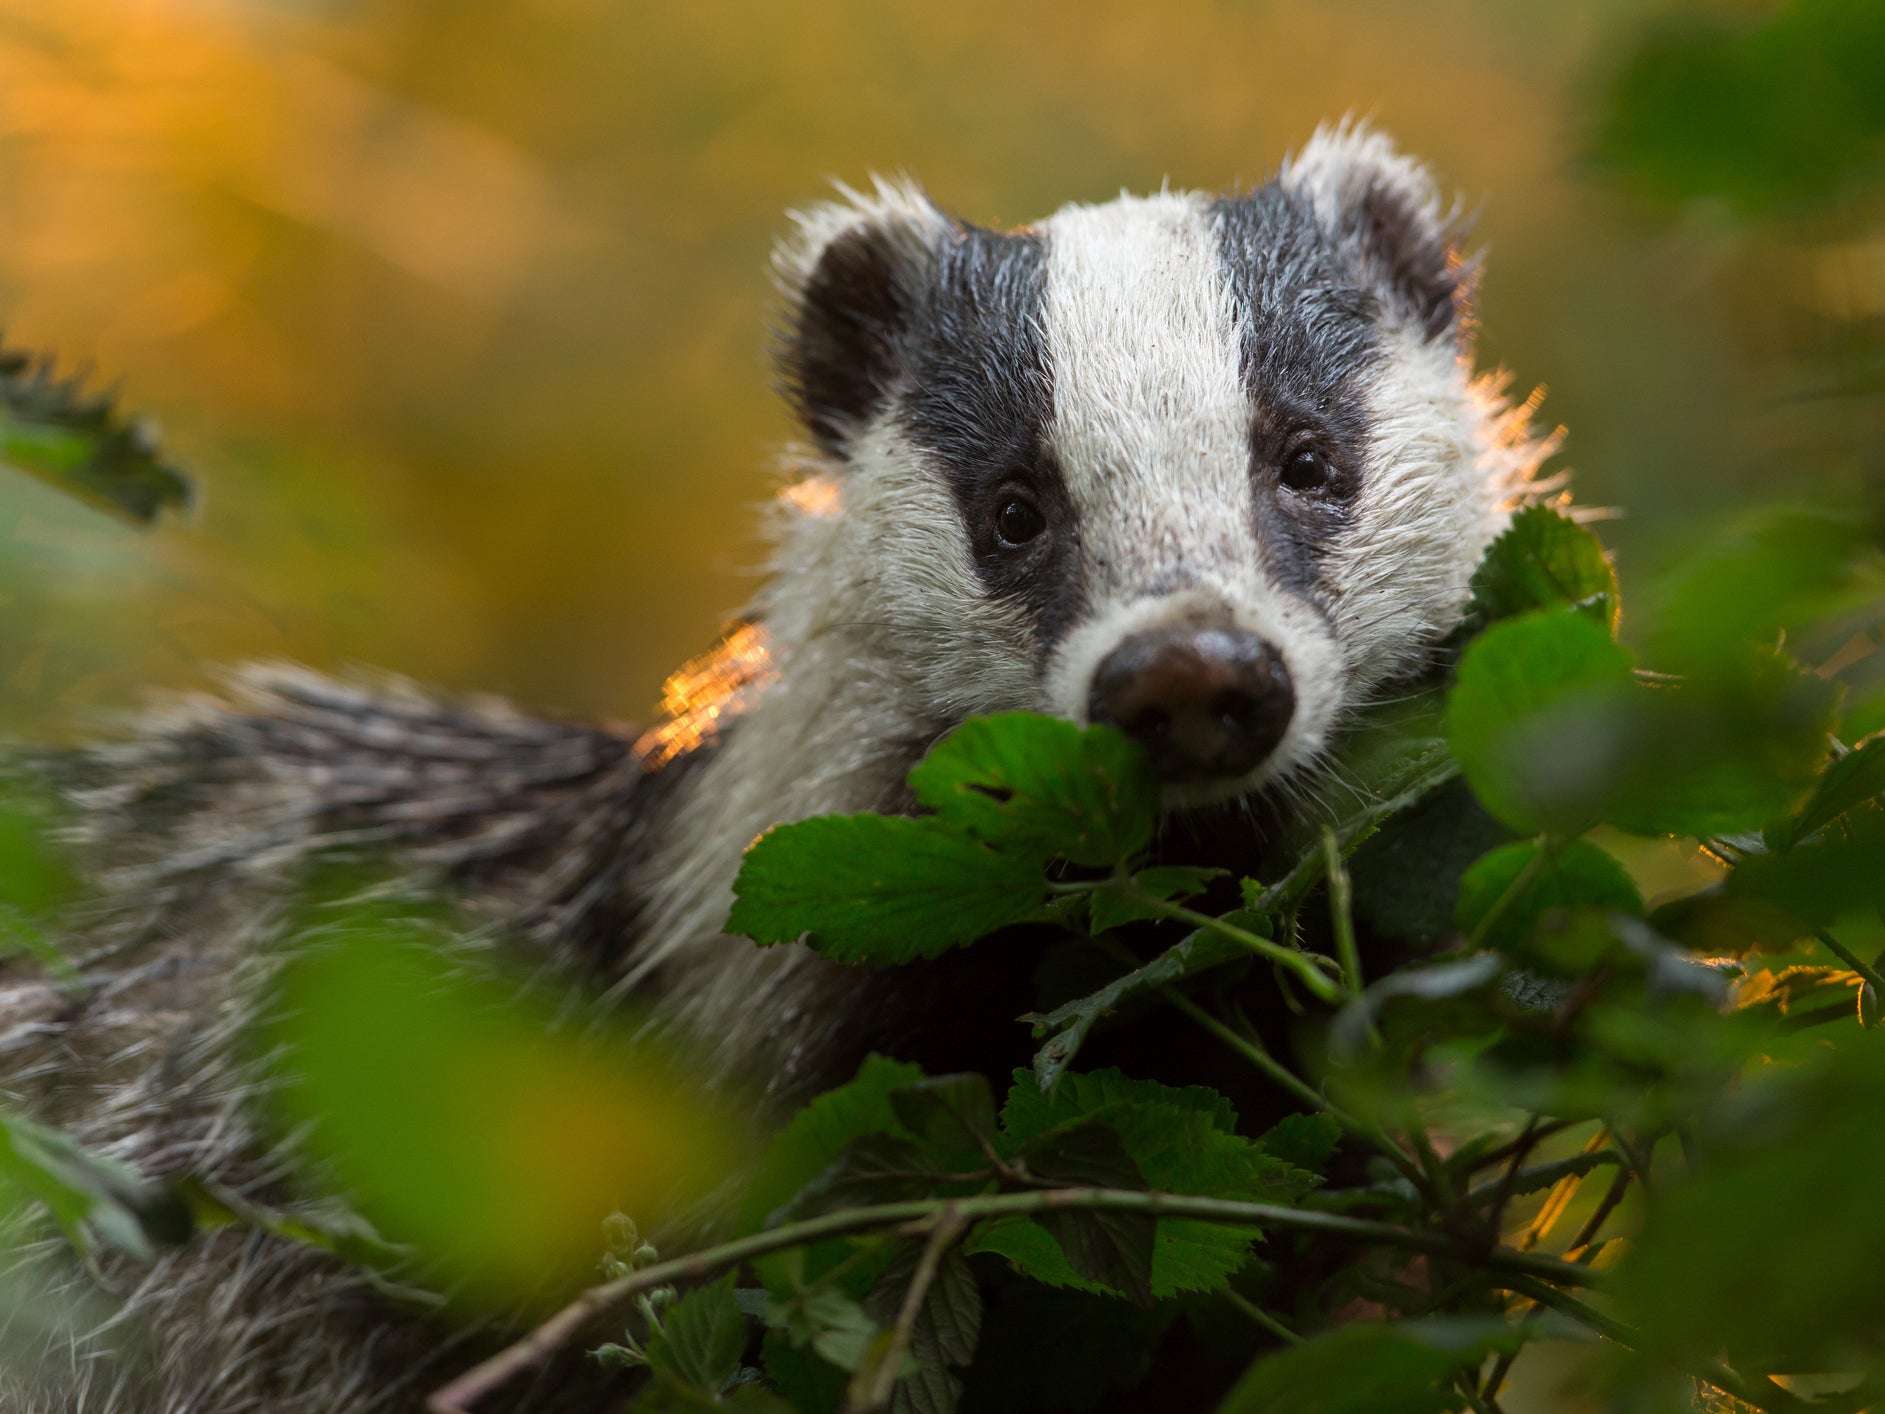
1260	1316
1252	1051
569	1323
881	1382
1867	973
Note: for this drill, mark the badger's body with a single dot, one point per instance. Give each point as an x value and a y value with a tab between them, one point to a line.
1215	469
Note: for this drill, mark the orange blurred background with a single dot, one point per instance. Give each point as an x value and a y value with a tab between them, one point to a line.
458	311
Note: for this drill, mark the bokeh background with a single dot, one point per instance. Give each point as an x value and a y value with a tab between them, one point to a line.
458	310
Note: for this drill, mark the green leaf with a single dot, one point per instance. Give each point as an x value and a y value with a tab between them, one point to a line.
1852	780
943	1339
810	1383
1303	1141
818	1318
1181	1141
1113	907
879	888
1370	1368
1040	784
1767	1247
1722	753
818	1134
1111	1248
700	1338
1406	879
1543	561
1576	874
93	1199
1772	570
50	429
1531	719
954	1115
1354	1024
875	1168
1761	112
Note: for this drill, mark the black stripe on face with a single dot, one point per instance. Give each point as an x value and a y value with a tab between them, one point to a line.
978	397
1308	328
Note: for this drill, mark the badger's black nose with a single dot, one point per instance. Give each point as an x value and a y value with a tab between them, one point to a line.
1206	702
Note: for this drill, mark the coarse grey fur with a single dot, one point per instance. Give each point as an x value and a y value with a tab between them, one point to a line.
1140	372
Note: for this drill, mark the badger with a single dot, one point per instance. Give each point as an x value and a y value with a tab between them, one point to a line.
1215	470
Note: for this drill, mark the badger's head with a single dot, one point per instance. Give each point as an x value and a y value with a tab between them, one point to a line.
1213	469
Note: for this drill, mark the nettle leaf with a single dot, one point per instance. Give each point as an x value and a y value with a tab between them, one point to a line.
1040	784
879	888
1533	719
93	1199
700	1338
878	1168
953	1115
1371	1368
810	1383
820	1133
943	1339
1576	874
1181	1141
50	428
1850	781
1113	1249
1113	907
1303	1141
1066	1027
1545	560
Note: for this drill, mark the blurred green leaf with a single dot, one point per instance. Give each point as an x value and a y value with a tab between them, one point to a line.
1747	583
466	1121
50	429
1769	1249
880	888
1530	719
1371	1368
1780	114
1850	781
1543	561
1040	784
93	1199
1575	874
1111	1249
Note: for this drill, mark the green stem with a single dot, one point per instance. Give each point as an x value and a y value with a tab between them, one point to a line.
1867	973
1545	847
1761	1394
924	1214
1311	976
1262	1317
1341	915
1286	1078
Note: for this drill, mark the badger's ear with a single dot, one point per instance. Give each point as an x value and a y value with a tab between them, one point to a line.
1386	206
854	273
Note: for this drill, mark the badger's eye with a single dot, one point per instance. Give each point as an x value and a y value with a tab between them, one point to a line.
1307	470
1018	521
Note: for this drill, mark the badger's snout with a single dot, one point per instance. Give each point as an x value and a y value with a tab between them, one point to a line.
1207	702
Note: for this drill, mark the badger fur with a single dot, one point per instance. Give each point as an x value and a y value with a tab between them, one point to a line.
1116	464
